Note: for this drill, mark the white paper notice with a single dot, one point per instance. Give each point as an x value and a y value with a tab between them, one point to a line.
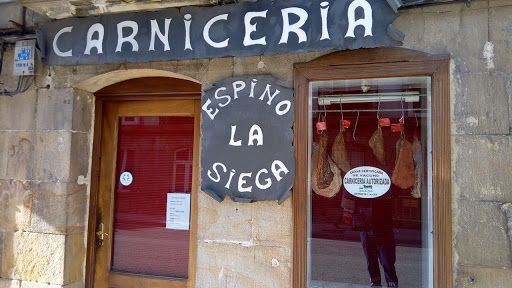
178	211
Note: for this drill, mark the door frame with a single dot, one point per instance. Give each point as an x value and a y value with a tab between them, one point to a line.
377	63
140	89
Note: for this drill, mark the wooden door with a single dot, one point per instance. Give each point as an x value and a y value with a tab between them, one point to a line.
141	236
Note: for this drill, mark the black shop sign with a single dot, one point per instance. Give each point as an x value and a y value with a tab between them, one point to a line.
247	139
243	29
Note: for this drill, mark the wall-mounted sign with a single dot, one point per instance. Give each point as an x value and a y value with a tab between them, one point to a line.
243	29
367	182
247	137
178	211
126	178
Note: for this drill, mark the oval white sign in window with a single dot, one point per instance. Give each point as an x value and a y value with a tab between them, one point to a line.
367	182
126	178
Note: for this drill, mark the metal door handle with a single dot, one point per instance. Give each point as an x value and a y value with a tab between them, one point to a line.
101	234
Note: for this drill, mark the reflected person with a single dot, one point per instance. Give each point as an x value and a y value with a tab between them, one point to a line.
372	217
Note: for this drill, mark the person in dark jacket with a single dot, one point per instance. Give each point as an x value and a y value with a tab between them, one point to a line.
373	218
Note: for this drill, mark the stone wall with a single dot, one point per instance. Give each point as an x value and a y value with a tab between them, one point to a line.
478	37
45	151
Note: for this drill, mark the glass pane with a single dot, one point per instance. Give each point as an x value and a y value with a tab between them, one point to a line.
370	202
158	153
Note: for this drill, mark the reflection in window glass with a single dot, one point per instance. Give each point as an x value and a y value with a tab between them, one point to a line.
370	204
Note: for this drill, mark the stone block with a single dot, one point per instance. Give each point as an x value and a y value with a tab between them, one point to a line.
80	73
500	34
16	200
54	109
18	112
280	66
4	153
443	8
21	155
471	42
165	65
196	69
83	105
74	259
105	68
53	156
219	69
476	4
78	284
498	3
33	257
247	66
480	235
448	29
8	283
481	105
308	56
482	277
441	31
27	284
242	266
58	208
481	168
1	254
60	77
79	155
226	222
272	223
412	24
8	80
12	11
62	156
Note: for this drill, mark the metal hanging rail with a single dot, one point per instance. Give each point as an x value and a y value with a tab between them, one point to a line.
372	110
408	96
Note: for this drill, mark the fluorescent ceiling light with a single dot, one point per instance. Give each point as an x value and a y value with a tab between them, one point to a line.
410	96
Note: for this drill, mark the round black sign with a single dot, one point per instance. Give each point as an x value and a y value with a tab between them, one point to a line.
247	139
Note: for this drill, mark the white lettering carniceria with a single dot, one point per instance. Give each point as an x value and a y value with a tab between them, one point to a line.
219	23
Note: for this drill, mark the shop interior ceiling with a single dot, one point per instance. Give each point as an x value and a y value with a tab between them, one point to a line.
58	9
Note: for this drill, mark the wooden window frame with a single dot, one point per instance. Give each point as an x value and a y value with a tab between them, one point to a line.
378	63
162	88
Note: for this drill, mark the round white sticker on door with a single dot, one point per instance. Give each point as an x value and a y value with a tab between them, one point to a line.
367	182
126	178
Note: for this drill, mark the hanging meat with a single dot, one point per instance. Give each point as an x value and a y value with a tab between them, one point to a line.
377	144
339	152
418	168
324	174
403	173
335	186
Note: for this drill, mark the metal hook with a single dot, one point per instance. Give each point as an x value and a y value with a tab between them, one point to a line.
403	117
341	109
378	109
402	102
341	121
355	127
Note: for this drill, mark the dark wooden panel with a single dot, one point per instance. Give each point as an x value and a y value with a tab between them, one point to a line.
151	86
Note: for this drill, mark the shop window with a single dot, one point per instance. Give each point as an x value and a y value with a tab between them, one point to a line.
372	193
374	212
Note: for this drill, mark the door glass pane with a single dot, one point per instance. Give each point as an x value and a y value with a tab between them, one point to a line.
370	201
158	154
